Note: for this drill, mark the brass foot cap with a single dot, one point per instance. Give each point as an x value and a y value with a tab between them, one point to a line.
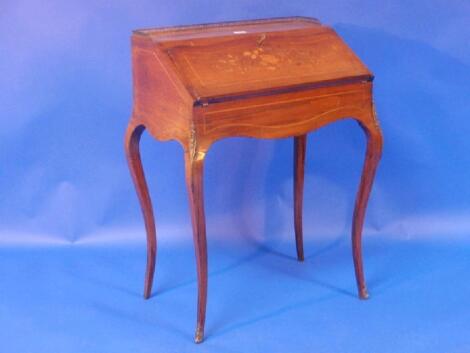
363	294
199	336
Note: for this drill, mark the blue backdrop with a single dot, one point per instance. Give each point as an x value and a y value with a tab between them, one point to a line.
71	234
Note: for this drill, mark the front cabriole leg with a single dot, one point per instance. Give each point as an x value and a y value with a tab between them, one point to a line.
373	153
194	165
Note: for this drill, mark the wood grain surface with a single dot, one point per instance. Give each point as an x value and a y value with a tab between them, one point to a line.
273	78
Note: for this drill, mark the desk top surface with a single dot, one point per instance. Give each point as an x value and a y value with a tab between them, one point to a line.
227	60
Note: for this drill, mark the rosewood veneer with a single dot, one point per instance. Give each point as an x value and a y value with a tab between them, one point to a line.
273	78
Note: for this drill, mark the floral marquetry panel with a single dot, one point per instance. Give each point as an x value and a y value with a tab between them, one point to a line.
247	57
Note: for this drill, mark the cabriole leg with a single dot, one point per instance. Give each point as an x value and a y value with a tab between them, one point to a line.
300	143
194	163
373	154
132	139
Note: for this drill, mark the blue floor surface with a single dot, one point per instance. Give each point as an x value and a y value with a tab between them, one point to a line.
84	298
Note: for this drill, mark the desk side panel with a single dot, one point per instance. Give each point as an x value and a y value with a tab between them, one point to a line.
161	103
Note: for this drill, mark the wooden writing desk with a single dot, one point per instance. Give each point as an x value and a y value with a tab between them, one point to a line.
269	78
